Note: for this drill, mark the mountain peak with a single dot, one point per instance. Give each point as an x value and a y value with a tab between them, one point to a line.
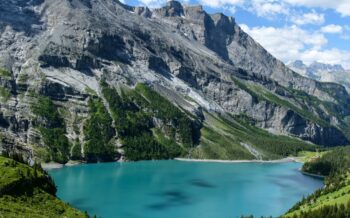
316	66
297	64
171	9
326	67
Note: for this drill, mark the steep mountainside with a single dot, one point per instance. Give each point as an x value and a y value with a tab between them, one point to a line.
323	72
99	80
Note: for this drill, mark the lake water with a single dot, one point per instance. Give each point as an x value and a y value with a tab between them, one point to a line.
175	189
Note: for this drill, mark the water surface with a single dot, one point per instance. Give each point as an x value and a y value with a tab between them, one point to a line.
175	189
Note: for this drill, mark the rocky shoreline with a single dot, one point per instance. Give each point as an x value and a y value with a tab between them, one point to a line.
52	165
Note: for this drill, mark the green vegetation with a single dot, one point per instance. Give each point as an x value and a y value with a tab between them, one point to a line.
305	100
346	126
90	91
145	147
52	128
29	192
329	211
264	94
219	145
5	73
305	105
5	94
334	199
99	133
331	201
307	156
43	153
22	78
136	112
173	149
166	111
76	151
333	162
222	138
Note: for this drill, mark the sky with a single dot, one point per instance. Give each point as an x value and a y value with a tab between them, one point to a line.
307	30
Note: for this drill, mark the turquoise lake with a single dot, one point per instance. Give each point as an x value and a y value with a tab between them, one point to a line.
175	189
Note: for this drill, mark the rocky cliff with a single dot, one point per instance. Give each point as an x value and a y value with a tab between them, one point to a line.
100	80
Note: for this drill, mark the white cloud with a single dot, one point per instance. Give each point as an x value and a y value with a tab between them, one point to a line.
266	8
293	43
341	6
231	9
331	56
332	28
308	18
287	42
220	3
344	9
153	3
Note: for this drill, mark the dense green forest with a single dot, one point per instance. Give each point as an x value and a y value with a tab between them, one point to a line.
29	192
149	126
333	162
52	128
145	123
98	132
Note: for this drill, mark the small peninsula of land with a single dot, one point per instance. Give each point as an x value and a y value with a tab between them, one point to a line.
334	199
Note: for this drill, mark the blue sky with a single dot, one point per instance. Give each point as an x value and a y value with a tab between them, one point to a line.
309	30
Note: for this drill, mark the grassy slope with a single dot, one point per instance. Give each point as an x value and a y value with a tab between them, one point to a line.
336	165
217	142
24	193
221	139
333	198
307	156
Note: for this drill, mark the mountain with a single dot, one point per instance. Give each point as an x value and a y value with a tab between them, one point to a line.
323	72
98	80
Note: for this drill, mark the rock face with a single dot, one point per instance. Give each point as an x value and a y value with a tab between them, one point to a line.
198	61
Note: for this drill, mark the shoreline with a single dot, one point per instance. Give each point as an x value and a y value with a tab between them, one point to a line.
284	160
312	175
53	165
